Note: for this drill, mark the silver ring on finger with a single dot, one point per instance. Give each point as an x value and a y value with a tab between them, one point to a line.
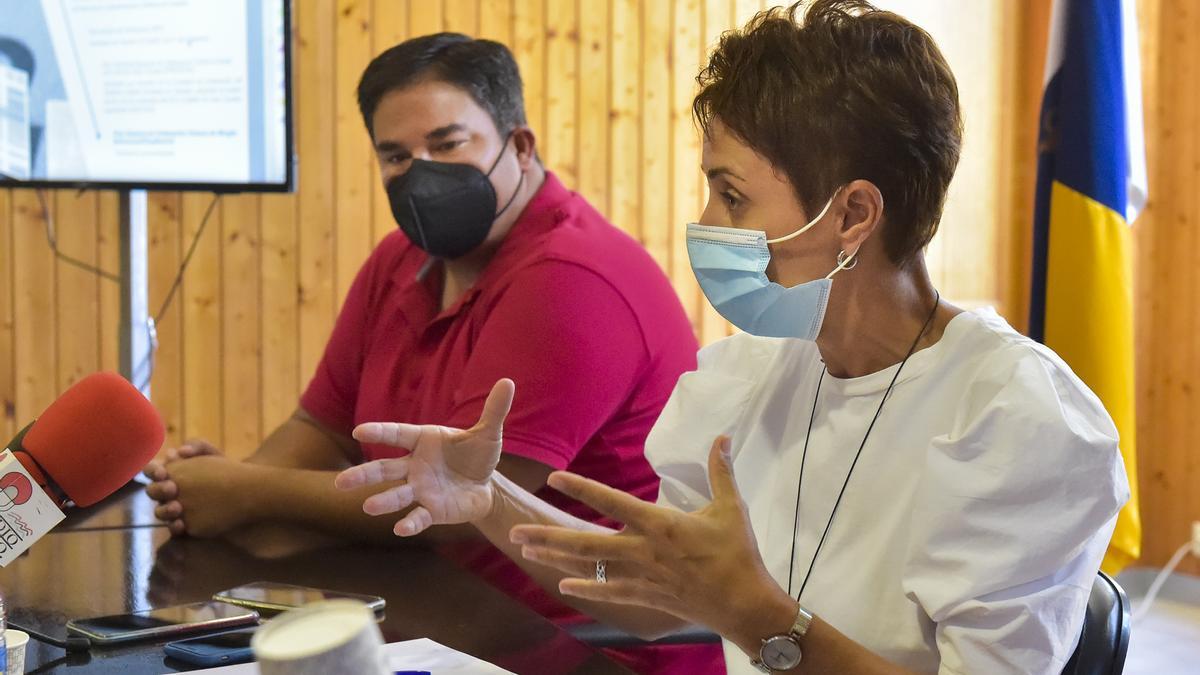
601	571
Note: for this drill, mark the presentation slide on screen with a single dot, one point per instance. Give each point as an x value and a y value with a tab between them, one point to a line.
143	91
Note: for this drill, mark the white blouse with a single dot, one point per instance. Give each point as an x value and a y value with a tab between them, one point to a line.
973	525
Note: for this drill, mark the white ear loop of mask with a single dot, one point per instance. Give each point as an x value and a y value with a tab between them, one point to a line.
806	228
844	263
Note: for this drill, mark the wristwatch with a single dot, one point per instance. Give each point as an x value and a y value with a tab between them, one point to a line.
782	652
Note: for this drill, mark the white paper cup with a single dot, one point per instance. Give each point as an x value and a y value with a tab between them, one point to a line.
15	641
337	636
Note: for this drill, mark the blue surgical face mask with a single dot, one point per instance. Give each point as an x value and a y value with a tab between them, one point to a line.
731	266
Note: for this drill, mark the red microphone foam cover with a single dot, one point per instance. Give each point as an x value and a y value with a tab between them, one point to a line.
97	436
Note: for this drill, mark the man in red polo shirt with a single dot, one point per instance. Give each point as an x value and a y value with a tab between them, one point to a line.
497	271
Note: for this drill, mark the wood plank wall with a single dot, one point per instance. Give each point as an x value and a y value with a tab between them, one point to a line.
1167	292
608	86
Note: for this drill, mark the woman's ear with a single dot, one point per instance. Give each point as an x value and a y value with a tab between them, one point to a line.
863	205
525	142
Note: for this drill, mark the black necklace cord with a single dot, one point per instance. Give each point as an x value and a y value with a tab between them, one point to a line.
795	525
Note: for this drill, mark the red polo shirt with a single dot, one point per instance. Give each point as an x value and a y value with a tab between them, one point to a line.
570	308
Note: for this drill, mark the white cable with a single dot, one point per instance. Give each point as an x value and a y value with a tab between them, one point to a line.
1152	593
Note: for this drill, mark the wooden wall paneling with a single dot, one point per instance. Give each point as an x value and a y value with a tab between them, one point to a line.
461	16
961	257
354	157
744	10
389	27
8	393
625	168
561	90
279	255
719	16
426	17
687	52
316	196
529	49
241	360
108	257
1153	444
200	297
969	273
1148	297
496	20
593	144
279	313
165	254
77	302
389	24
655	132
35	279
1026	25
1167	297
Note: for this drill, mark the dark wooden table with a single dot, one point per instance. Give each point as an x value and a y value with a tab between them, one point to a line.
125	508
113	559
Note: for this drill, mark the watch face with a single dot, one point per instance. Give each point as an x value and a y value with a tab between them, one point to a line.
780	653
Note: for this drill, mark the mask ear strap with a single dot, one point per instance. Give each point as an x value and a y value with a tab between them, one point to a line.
512	198
502	149
519	183
806	228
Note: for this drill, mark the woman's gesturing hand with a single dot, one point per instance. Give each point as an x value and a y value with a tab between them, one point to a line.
703	567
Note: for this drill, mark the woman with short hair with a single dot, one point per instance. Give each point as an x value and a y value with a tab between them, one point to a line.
867	478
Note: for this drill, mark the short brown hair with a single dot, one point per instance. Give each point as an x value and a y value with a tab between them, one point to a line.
851	92
484	69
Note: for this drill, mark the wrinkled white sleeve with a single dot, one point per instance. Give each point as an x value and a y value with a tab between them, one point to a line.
1015	511
705	403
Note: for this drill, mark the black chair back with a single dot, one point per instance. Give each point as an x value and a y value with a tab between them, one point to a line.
1104	640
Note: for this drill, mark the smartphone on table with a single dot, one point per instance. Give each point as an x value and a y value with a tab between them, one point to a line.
219	649
153	624
269	596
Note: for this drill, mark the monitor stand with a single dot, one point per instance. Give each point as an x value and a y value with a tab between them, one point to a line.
136	330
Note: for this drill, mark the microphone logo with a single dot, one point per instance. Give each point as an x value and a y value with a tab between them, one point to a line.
15	489
27	513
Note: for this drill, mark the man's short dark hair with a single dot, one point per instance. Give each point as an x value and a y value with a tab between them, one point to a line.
484	69
850	92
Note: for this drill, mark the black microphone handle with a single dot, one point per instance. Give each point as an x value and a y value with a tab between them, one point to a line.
15	443
71	644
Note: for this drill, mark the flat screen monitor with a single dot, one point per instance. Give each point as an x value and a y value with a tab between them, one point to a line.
151	94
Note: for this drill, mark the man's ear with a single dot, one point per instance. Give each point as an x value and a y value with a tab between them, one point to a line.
525	142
